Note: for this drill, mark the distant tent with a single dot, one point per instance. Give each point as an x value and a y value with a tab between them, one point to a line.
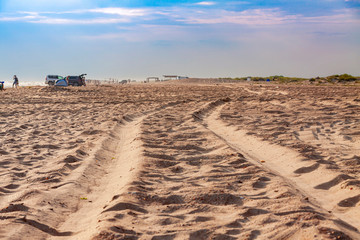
61	82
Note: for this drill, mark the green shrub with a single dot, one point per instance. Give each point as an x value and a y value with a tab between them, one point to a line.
346	78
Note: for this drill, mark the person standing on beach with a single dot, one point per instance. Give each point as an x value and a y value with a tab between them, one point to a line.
16	81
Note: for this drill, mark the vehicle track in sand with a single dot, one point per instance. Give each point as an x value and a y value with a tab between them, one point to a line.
313	180
87	179
119	159
193	185
125	157
92	184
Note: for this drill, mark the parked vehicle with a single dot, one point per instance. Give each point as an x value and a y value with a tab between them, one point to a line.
61	82
76	80
51	79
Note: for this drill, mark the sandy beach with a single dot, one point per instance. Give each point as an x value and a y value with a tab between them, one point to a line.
190	159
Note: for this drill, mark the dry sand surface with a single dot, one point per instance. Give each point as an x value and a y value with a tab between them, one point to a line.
180	160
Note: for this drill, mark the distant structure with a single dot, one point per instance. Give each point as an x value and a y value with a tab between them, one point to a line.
248	79
156	79
173	77
170	77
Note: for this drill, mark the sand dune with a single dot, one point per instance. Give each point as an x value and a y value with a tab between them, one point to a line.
180	161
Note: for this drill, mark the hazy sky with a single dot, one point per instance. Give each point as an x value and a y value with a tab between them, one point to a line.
138	38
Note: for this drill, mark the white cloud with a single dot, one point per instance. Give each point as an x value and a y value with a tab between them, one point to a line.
248	17
174	15
21	17
205	3
45	20
130	12
16	19
103	16
265	17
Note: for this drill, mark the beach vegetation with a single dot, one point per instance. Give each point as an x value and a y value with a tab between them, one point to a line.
344	78
341	78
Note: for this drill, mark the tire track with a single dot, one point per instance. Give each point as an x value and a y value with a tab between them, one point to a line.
191	185
84	222
288	164
115	164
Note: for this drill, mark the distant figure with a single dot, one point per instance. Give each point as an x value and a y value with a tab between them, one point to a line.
1	86
16	82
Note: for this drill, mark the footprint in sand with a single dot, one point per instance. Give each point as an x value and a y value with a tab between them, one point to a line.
20	174
307	169
12	186
71	159
350	202
338	179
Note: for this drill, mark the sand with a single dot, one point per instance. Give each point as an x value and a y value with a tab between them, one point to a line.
191	159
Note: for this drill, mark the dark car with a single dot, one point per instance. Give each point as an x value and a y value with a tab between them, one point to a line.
76	80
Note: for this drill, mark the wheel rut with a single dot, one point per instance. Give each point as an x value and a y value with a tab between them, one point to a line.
322	186
125	154
114	165
192	185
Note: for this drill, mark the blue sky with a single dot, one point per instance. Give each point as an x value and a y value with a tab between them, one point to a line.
138	38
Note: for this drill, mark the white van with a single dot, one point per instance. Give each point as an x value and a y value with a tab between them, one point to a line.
51	79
